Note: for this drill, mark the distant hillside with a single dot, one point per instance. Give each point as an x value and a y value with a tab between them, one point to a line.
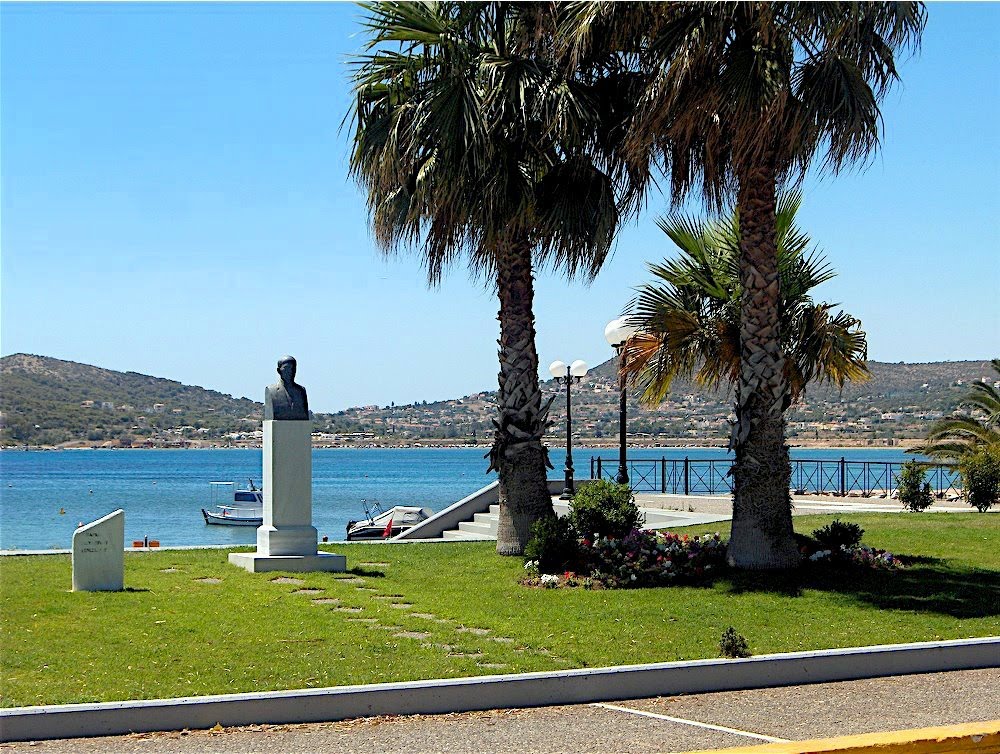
46	401
899	402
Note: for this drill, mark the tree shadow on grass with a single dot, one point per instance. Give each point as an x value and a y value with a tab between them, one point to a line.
371	573
928	585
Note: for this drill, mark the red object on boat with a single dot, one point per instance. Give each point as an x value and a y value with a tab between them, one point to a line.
388	530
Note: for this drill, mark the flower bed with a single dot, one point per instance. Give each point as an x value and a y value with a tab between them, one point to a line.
647	558
642	558
859	555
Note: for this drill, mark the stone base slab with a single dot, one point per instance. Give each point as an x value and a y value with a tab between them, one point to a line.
288	540
254	563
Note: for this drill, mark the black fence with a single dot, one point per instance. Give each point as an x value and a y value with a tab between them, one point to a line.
686	476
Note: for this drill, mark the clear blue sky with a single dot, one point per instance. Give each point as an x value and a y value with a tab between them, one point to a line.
175	202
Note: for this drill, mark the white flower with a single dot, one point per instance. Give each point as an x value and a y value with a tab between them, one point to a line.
550	578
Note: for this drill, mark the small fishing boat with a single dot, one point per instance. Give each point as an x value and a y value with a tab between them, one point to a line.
247	508
380	523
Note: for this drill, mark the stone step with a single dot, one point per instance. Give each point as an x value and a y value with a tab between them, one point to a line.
495	509
486	518
474	527
455	534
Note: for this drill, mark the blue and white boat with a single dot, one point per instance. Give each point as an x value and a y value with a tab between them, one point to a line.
247	508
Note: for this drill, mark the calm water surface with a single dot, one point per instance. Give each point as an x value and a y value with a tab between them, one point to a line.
162	491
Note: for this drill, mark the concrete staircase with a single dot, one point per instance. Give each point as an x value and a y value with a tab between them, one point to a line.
483	526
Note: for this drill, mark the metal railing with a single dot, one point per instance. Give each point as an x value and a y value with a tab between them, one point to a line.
687	476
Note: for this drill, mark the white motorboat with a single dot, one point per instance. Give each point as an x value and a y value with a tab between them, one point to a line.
247	508
382	523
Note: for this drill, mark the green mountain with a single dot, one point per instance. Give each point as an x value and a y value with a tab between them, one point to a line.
46	401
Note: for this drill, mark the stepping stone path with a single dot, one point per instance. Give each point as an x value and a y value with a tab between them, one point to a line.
373	565
169	570
413	635
209	580
399	631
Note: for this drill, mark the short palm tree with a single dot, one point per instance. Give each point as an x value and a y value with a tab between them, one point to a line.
689	317
955	438
735	100
471	144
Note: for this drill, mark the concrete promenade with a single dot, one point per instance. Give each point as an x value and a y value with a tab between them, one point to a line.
636	726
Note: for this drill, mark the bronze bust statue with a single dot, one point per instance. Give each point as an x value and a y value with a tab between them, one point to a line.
285	400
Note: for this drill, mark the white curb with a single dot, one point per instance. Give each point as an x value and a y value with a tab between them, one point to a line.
496	692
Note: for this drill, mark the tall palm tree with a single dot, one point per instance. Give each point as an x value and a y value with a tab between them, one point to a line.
739	99
689	317
956	437
472	144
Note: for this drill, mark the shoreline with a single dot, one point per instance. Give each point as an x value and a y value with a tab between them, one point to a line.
901	444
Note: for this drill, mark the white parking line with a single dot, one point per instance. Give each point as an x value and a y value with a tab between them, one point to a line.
695	723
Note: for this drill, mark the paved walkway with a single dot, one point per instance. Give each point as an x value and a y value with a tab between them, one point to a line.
706	508
682	723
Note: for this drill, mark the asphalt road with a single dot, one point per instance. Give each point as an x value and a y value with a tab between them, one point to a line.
677	724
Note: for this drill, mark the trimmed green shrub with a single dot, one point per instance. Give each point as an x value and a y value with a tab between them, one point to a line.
553	545
733	644
837	533
981	478
605	509
914	492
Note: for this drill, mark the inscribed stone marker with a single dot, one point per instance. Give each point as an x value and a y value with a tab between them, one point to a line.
99	555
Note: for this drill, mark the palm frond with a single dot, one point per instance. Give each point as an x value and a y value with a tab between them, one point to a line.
689	316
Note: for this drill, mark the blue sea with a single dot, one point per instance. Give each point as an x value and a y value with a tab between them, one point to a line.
44	495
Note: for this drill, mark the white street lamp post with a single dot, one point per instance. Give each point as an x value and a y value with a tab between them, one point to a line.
568	375
617	333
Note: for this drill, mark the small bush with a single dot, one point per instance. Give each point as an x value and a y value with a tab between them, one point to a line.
733	644
914	492
605	509
552	546
837	533
981	478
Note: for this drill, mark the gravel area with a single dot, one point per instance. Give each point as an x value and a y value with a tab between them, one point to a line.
798	712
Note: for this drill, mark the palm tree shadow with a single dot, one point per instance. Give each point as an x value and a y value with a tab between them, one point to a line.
367	572
926	585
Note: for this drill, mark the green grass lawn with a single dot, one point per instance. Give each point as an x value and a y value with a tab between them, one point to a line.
443	610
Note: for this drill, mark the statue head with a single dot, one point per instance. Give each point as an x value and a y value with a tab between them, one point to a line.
286	368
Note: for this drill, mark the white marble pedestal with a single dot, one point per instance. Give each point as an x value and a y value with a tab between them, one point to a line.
286	541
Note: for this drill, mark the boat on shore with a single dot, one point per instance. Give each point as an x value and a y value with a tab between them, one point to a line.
381	523
246	509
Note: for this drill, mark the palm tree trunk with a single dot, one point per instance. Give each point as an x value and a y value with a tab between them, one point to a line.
518	453
762	536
